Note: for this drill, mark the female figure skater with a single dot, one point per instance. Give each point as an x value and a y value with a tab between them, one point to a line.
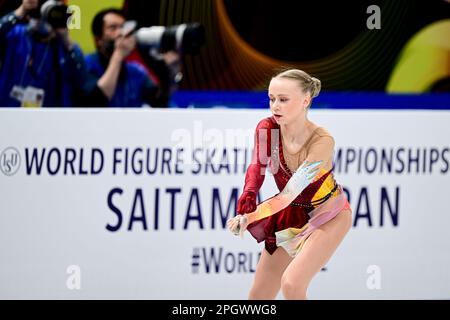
303	224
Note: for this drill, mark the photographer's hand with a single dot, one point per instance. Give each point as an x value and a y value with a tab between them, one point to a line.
108	82
123	46
26	7
171	57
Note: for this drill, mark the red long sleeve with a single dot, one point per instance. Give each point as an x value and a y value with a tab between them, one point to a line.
255	174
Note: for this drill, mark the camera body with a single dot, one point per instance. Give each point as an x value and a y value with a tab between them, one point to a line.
48	16
54	12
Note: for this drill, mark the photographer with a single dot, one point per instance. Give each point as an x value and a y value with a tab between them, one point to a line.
123	83
39	64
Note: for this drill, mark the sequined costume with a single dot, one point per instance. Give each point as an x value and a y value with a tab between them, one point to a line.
319	202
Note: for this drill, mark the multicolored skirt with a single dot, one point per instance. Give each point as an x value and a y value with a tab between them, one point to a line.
290	227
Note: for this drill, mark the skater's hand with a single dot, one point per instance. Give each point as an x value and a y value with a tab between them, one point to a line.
246	202
238	225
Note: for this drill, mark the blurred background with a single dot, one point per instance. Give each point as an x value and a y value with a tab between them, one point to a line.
131	203
244	43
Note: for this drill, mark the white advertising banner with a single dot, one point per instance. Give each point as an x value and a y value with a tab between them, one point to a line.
132	204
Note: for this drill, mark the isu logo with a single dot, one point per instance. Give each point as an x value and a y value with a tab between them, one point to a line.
9	161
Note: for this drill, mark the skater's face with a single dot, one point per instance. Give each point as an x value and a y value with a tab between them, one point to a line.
288	101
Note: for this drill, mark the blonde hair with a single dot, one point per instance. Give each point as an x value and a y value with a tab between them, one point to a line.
306	82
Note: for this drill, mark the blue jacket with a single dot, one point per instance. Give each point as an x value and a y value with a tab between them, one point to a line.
48	66
134	87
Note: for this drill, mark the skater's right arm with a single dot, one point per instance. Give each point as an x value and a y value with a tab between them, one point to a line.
256	171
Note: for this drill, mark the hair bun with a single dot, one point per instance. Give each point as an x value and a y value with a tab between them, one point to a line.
316	85
306	82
